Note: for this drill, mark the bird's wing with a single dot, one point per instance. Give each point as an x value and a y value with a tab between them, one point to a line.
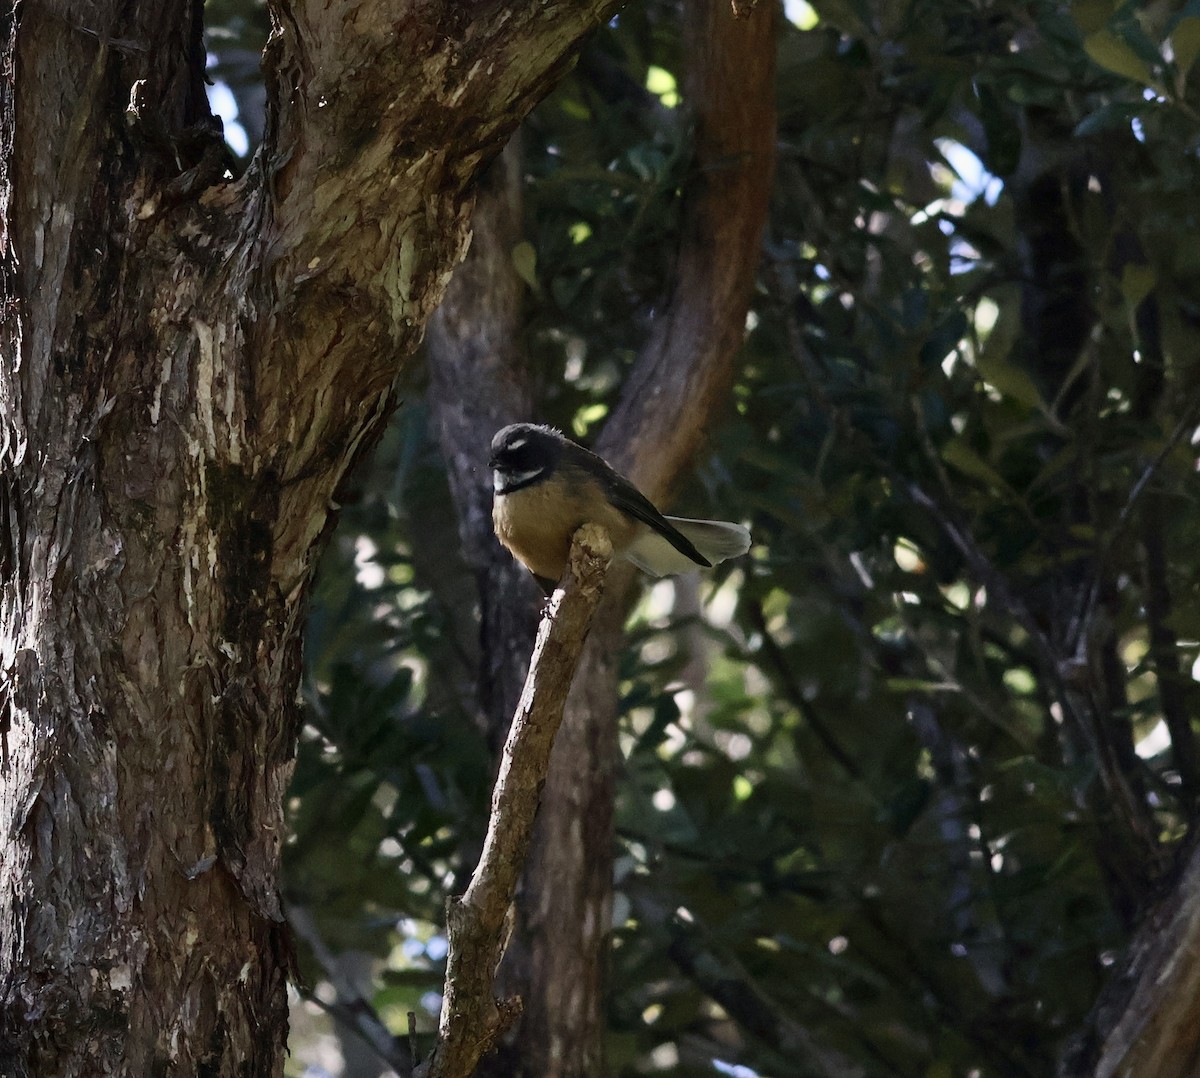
631	501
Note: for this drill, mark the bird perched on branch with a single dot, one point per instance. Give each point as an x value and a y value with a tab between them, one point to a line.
545	486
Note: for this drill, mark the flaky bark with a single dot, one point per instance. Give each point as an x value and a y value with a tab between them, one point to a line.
191	367
679	384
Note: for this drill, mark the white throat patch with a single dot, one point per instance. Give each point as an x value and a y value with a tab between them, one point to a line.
508	480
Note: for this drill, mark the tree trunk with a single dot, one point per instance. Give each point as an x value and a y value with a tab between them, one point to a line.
191	366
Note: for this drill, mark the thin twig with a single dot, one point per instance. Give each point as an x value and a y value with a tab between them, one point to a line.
361	1019
795	694
350	1008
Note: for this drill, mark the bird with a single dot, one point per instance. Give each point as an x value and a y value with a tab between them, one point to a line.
545	486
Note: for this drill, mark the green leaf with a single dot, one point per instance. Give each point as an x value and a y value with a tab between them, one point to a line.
962	457
1185	43
524	260
1115	114
1114	54
1008	379
1137	282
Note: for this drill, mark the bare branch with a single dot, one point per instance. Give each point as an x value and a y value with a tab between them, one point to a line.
679	385
472	1018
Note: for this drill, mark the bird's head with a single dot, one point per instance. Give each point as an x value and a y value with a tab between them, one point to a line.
523	454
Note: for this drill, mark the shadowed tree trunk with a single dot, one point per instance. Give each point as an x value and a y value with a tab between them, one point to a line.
191	366
678	387
480	384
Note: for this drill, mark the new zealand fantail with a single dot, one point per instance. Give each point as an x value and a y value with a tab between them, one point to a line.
545	486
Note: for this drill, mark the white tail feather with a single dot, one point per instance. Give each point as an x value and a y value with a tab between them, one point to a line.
715	539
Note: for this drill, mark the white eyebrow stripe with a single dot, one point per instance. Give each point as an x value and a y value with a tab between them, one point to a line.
516	443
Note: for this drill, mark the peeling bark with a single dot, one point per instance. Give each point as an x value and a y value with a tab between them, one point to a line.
191	367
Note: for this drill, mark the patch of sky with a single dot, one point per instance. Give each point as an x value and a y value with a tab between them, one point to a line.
971	179
224	104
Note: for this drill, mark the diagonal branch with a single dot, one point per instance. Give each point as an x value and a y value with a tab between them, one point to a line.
677	388
472	1019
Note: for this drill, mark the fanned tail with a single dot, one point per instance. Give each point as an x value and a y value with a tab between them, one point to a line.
716	540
